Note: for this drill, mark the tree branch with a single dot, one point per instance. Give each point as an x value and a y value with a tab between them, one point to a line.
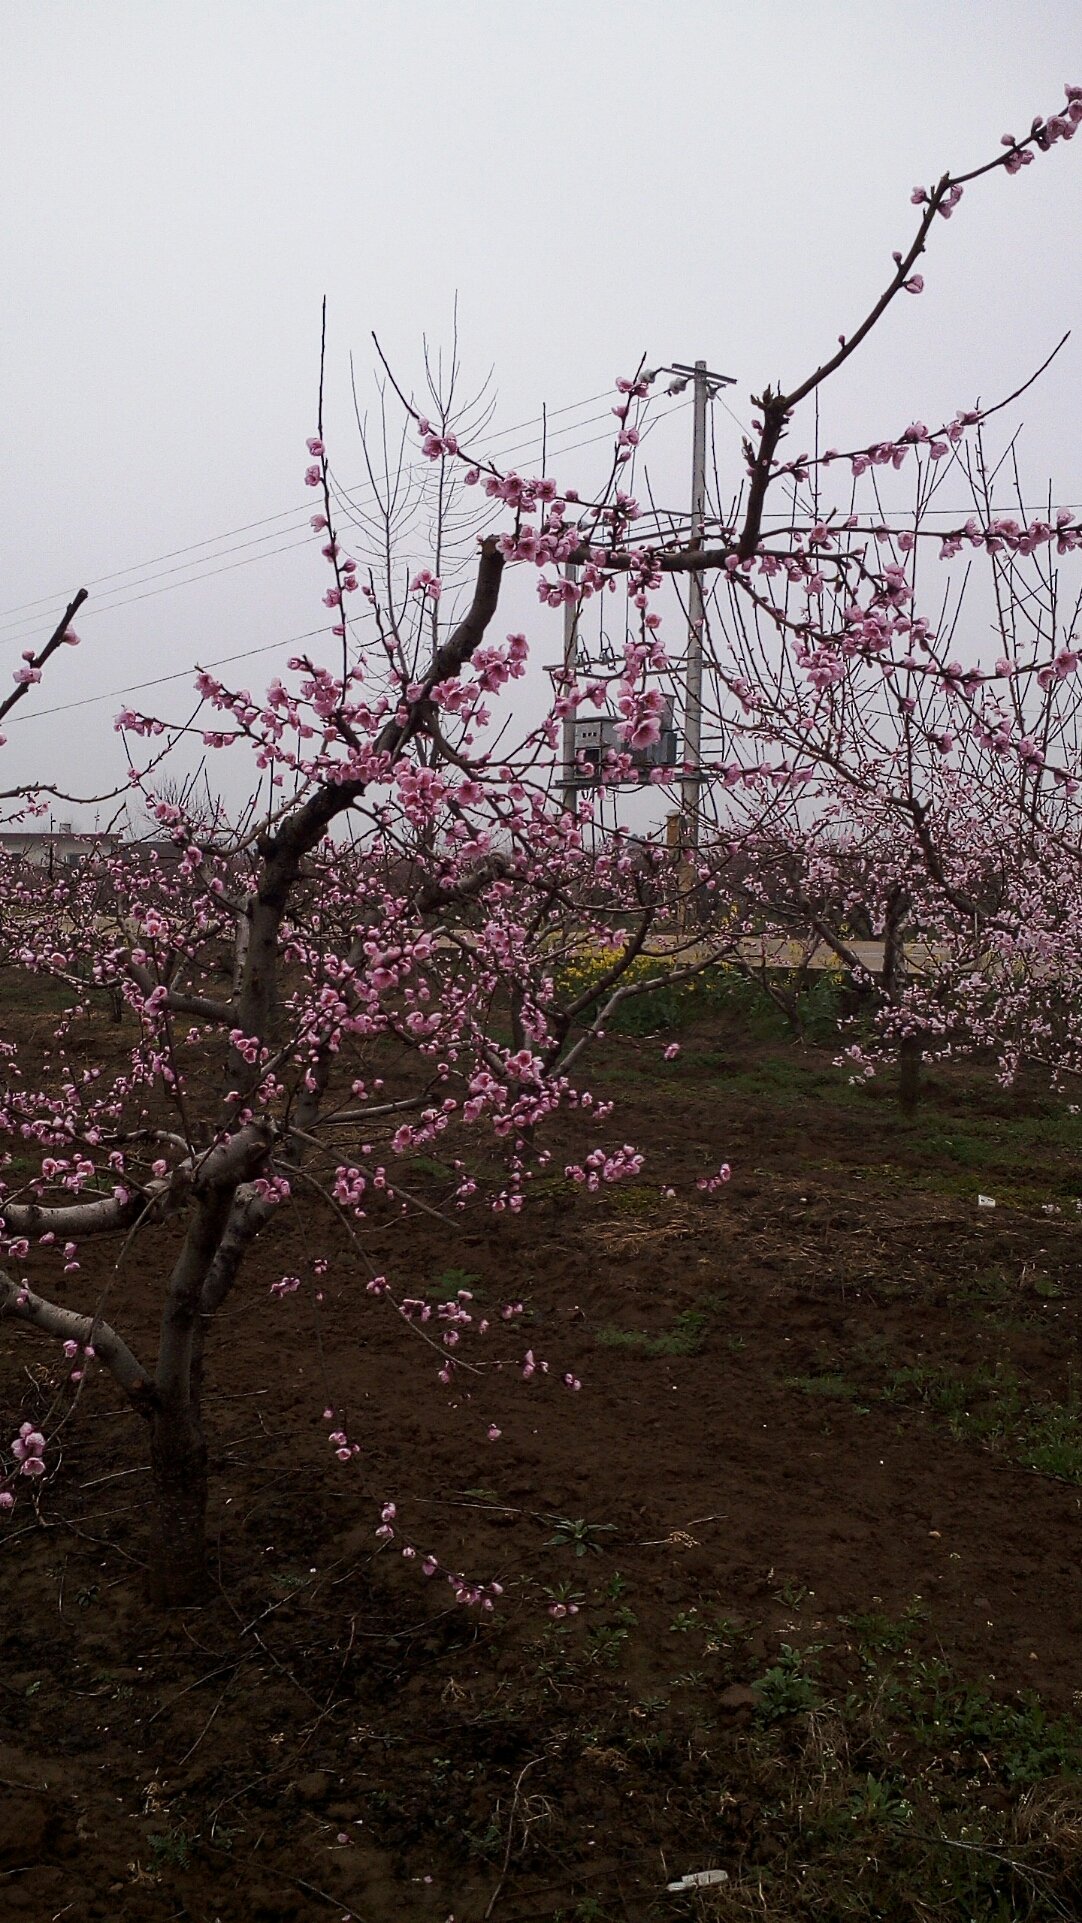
68	1326
55	641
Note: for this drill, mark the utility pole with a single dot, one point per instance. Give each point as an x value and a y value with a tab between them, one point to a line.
705	386
571	644
693	683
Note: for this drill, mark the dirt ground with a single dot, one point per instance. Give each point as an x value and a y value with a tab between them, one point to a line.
822	1480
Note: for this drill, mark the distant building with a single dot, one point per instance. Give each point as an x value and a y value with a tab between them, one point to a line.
58	846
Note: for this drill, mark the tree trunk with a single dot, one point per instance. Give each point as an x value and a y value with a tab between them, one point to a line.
178	1462
909	1064
178	1452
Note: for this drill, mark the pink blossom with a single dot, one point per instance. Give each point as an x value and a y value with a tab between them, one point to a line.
28	1450
436	445
709	1183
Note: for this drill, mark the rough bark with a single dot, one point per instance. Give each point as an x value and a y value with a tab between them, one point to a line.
178	1462
178	1453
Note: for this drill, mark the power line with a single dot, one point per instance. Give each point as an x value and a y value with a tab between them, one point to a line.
956	513
7	615
19	615
123	598
126	599
221	661
167	587
161	680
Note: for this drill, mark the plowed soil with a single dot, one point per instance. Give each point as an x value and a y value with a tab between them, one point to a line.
755	1458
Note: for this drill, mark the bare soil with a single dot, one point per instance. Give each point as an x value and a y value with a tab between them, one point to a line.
756	1461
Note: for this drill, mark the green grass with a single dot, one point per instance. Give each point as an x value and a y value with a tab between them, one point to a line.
877	1634
835	1387
449	1282
904	1792
861	1781
873	1788
989	1289
990	1406
722	991
170	1850
686	1337
993	1406
637	1199
779	1079
790	1685
432	1166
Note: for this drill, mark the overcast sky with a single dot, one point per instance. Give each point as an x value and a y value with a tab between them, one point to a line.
594	179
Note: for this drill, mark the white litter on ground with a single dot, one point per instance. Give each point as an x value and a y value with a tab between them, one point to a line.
698	1880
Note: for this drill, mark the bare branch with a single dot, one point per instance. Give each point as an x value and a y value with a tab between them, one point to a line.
56	640
66	1325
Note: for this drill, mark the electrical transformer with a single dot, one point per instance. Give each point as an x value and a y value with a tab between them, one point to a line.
597	738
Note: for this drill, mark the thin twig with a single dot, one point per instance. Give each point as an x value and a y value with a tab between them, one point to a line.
347	1915
510	1834
142	1469
233	1663
203	1731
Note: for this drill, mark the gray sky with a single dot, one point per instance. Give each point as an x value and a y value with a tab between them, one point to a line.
595	180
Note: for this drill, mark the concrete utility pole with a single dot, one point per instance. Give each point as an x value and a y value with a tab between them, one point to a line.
705	386
693	683
571	644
